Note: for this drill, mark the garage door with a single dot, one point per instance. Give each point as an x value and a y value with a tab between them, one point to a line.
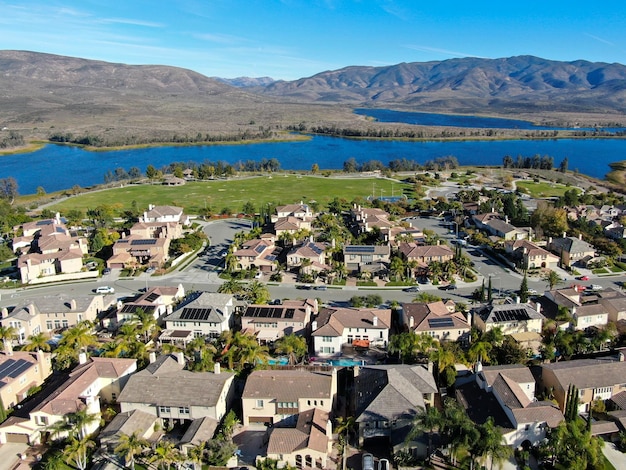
14	437
261	419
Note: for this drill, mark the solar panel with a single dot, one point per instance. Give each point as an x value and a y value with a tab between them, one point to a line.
13	369
440	322
316	249
360	249
290	313
132	308
271	258
515	314
259	249
152	297
145	241
195	313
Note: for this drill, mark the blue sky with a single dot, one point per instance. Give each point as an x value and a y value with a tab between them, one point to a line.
290	39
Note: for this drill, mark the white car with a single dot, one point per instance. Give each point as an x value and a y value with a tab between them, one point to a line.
105	290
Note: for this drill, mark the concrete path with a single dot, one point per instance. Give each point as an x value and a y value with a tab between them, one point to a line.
617	458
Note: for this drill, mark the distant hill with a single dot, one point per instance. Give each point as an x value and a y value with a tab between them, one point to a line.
524	83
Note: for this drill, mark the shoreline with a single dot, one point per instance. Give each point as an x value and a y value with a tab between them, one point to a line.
35	145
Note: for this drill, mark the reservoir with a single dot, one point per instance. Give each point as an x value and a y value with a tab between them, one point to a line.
56	167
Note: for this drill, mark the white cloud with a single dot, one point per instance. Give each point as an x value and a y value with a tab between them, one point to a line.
436	50
133	22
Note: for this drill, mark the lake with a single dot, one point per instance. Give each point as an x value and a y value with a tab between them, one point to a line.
458	120
56	167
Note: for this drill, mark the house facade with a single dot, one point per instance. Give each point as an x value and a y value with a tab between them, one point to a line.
19	372
335	328
271	322
278	396
436	320
510	318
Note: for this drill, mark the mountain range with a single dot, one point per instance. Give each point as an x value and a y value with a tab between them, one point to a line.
41	90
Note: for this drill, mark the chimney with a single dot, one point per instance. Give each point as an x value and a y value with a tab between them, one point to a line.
430	367
580	236
57	218
329	429
549	240
5	312
469	318
332	243
538	307
180	358
375	321
82	357
411	322
73	304
217	368
517	299
564	234
314	325
31	309
620	356
152	357
356	371
478	367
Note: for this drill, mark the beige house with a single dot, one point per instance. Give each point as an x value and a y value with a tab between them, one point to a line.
307	445
204	315
494	224
19	372
49	313
528	255
594	378
165	214
586	311
134	250
300	211
365	219
291	225
278	396
167	391
156	301
423	255
571	250
260	253
436	320
510	318
312	251
366	257
83	388
271	322
48	249
335	328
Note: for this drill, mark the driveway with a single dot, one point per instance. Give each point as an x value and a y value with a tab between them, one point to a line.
617	458
10	454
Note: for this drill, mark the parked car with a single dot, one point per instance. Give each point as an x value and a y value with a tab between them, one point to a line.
150	270
596	287
448	287
411	289
105	290
258	275
583	278
532	291
106	271
320	287
368	462
276	302
383	464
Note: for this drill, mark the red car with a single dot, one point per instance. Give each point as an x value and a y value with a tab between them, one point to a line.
583	278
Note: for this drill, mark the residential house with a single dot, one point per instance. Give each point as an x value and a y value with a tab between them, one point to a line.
165	214
301	211
365	219
205	315
136	422
167	391
19	372
527	255
370	258
136	251
506	394
573	251
307	445
585	311
510	318
335	328
310	255
614	302
423	255
600	378
260	253
47	248
156	301
94	380
398	234
50	313
291	225
436	320
494	224
271	322
278	396
386	399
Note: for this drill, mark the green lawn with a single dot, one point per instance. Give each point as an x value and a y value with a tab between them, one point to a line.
542	188
234	193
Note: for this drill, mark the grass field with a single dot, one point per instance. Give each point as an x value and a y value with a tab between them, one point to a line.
234	193
542	189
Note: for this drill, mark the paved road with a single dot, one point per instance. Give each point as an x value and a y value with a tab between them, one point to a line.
202	274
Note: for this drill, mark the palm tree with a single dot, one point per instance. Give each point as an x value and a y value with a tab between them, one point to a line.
7	334
345	425
257	293
427	420
80	420
196	453
231	286
37	342
479	351
293	346
79	337
491	444
164	455
54	461
129	446
146	323
78	451
552	278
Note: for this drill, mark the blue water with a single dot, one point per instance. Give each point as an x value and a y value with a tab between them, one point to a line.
343	362
57	167
457	120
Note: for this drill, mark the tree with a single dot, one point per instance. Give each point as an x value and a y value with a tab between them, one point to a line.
78	451
164	455
293	346
7	335
489	291
426	420
129	447
552	278
219	451
523	290
8	189
231	286
490	444
37	342
256	293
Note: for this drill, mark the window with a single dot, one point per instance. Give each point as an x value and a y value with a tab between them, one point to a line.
164	409
259	403
183	410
